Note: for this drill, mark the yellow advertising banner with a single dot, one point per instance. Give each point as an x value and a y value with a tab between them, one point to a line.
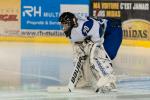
136	29
136	32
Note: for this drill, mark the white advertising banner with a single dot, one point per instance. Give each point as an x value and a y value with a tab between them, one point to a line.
82	10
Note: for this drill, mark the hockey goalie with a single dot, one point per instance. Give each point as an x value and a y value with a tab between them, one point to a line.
95	44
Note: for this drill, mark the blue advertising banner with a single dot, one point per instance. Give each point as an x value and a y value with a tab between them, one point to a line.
43	14
40	14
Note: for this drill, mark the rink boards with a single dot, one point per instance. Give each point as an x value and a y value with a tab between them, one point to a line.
64	40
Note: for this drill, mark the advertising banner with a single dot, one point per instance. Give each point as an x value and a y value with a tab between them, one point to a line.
44	14
10	17
134	14
78	9
41	14
136	29
40	18
36	20
124	9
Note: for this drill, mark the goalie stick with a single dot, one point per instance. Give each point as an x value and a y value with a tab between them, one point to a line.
73	80
76	73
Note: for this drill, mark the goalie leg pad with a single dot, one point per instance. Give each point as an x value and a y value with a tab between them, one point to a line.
81	75
101	66
100	61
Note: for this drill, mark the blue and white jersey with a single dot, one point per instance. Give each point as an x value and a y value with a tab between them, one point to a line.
89	27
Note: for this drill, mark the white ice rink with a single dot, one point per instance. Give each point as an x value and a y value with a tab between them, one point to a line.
27	69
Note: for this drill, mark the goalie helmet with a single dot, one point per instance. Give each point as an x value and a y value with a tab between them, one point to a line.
68	21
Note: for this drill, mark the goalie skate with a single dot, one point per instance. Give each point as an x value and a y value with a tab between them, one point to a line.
106	84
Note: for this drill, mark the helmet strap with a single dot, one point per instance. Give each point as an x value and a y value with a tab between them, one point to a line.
75	22
68	32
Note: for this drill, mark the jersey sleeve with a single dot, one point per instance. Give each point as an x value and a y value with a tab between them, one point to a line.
87	26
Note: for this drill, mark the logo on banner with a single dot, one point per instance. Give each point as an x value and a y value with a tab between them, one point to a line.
32	11
136	29
8	17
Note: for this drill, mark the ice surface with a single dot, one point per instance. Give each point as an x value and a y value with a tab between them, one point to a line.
27	69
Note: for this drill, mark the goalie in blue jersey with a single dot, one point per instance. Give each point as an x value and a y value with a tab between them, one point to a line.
95	44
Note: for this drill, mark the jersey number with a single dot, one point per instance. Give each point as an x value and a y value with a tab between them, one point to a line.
86	29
